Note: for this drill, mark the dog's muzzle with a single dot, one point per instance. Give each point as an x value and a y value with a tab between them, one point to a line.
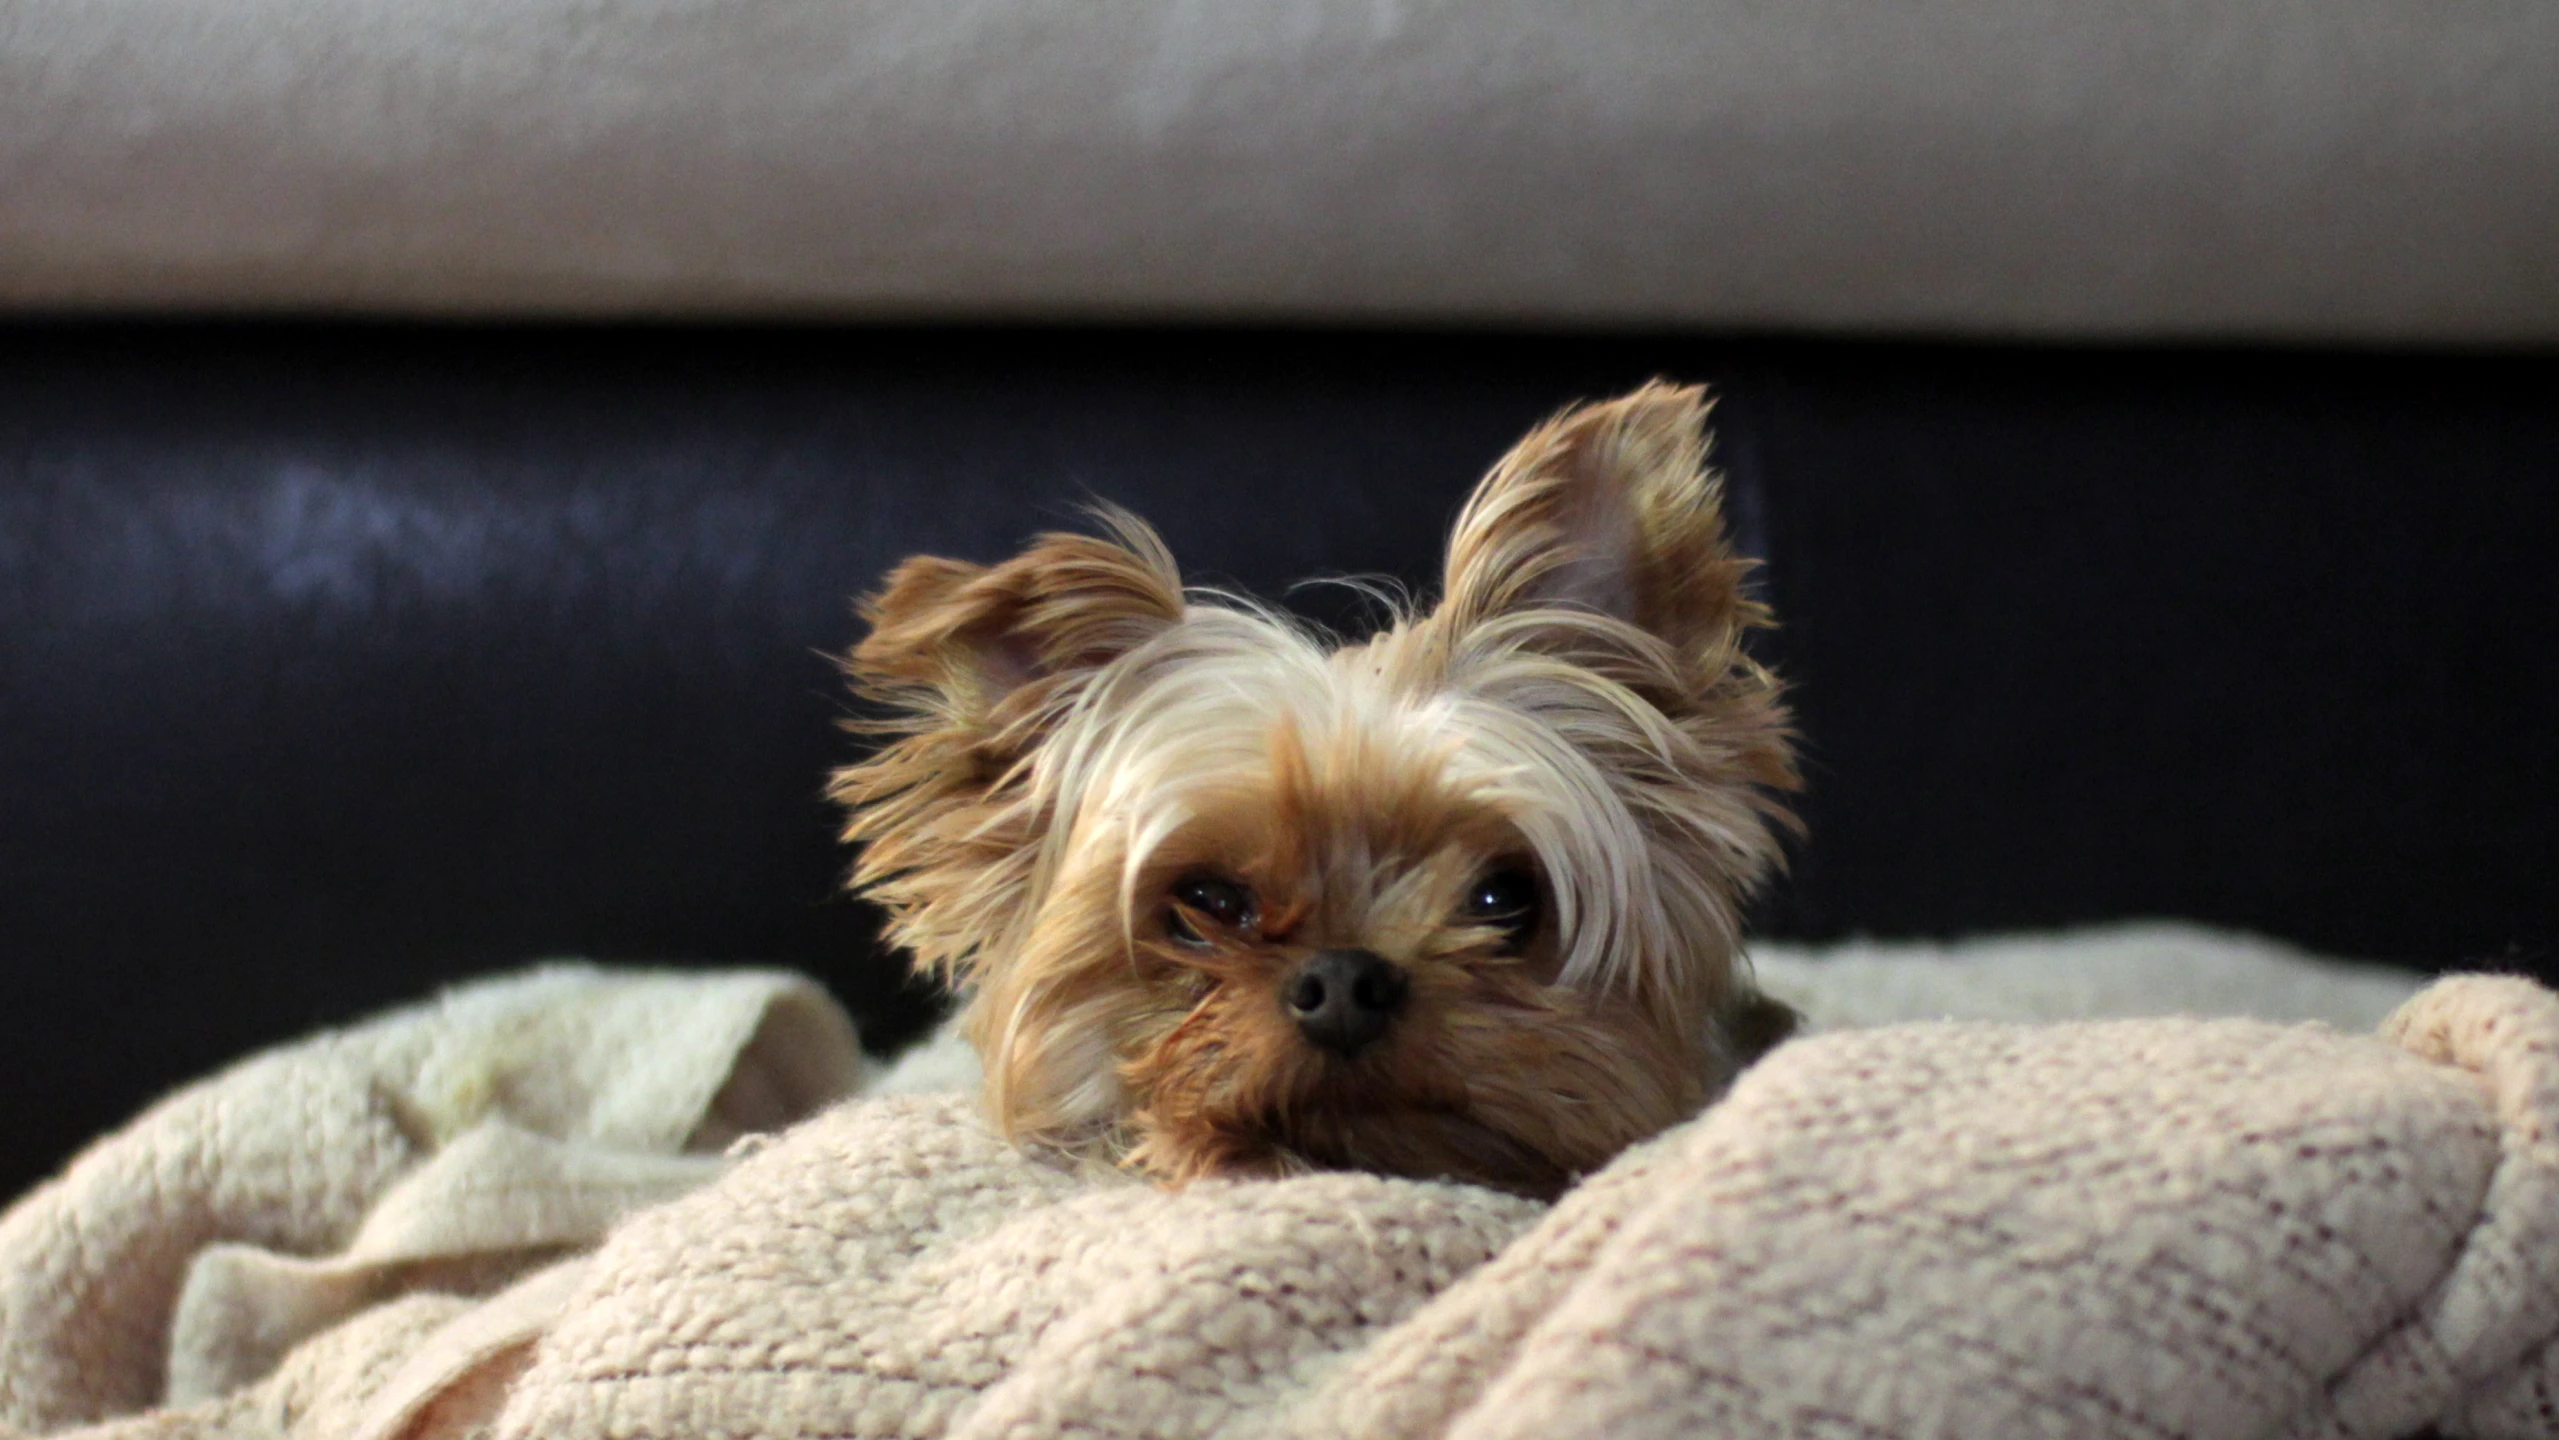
1344	1000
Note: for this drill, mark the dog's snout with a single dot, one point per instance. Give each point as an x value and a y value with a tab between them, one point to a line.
1343	1000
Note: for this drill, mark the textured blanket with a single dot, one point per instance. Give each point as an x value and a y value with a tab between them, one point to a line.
2119	1228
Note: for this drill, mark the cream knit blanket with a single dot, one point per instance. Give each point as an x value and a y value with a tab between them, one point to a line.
2162	1227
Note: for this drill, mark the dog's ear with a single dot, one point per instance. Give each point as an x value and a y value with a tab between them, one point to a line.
972	665
974	647
1608	508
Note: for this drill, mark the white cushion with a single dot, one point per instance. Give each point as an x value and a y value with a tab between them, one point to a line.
2306	168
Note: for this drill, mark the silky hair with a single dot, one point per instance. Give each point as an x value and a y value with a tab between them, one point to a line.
1067	733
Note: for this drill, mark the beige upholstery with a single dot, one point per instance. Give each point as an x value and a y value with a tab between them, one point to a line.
2307	168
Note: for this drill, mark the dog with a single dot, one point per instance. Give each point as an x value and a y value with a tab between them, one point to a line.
1227	896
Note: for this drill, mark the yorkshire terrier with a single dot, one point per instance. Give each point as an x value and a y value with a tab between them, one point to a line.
1226	896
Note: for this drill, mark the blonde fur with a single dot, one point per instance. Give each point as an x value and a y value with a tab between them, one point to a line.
1070	734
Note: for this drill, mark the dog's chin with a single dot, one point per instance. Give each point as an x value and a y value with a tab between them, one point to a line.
1526	1101
1436	1145
1415	1142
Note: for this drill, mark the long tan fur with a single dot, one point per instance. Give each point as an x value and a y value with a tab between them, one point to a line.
1069	736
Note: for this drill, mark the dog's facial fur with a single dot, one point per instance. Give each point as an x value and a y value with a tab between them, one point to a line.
1129	825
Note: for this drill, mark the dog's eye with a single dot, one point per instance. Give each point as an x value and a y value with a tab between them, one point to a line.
1211	898
1505	899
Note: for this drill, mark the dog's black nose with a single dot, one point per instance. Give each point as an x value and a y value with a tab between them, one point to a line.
1344	999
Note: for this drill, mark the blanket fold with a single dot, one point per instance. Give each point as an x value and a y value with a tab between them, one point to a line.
386	1173
2126	1228
2135	1228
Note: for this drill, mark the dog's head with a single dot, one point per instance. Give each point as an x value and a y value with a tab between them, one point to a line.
1460	899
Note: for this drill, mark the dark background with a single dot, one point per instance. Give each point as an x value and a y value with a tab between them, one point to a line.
337	661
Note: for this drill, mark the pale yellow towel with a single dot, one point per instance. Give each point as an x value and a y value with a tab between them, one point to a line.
2153	1227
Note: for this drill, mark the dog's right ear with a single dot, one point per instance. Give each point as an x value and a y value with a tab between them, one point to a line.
980	649
1609	508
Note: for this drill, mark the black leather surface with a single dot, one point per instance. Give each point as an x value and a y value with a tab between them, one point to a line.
2270	640
335	663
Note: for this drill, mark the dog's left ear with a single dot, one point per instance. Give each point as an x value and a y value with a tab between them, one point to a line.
970	667
1609	508
953	642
